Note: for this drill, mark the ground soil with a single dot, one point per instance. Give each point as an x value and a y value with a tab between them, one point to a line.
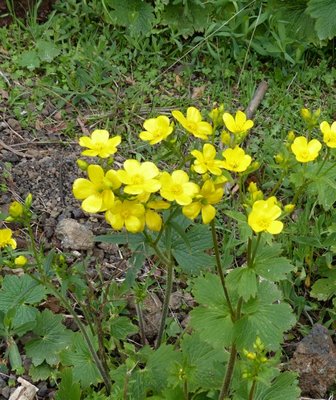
22	8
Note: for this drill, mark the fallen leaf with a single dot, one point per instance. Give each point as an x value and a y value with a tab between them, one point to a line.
198	92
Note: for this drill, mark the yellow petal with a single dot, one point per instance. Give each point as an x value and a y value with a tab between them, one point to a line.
93	203
193	114
83	188
100	136
208	213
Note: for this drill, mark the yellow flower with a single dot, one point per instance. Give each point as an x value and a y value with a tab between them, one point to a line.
329	133
193	123
236	160
16	209
239	124
206	161
203	201
97	191
20	261
156	129
176	187
99	144
139	177
6	238
263	216
305	151
130	214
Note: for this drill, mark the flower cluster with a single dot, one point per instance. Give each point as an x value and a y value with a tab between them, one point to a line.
306	151
136	195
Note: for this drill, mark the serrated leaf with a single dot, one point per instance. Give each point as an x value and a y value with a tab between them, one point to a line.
29	59
266	317
47	50
52	338
78	355
204	363
68	389
211	319
274	269
121	327
192	258
284	386
136	15
159	364
244	280
41	372
17	294
325	288
324	11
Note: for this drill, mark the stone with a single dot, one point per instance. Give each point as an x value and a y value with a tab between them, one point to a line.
315	361
73	235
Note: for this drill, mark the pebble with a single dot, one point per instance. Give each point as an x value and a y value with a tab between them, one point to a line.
74	235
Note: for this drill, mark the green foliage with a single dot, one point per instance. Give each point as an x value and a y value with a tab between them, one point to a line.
51	338
68	388
325	14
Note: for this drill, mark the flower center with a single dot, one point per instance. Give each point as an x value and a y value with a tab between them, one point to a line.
176	189
138	179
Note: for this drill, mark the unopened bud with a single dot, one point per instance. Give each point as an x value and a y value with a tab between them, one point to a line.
15	209
83	165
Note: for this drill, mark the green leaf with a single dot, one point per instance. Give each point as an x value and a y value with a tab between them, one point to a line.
266	317
47	50
325	288
324	11
211	319
192	258
121	327
68	389
78	355
245	281
273	269
135	15
159	364
284	386
29	59
204	363
52	338
17	294
41	372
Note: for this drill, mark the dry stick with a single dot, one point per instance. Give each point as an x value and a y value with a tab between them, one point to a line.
256	100
18	153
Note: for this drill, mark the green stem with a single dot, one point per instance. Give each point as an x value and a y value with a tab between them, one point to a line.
252	390
252	257
138	308
229	372
232	360
277	186
165	307
45	281
185	390
220	270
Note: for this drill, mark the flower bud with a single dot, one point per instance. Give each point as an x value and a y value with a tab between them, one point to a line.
28	200
290	136
279	158
306	114
226	138
82	165
20	261
289	208
16	209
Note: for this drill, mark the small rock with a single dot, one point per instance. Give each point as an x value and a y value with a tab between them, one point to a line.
315	361
73	235
43	389
14	124
6	391
3	383
176	300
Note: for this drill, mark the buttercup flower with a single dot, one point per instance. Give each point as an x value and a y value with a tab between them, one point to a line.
6	238
193	123
263	216
97	191
130	214
205	161
305	151
239	124
156	129
176	187
139	177
329	133
236	160
203	201
99	144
